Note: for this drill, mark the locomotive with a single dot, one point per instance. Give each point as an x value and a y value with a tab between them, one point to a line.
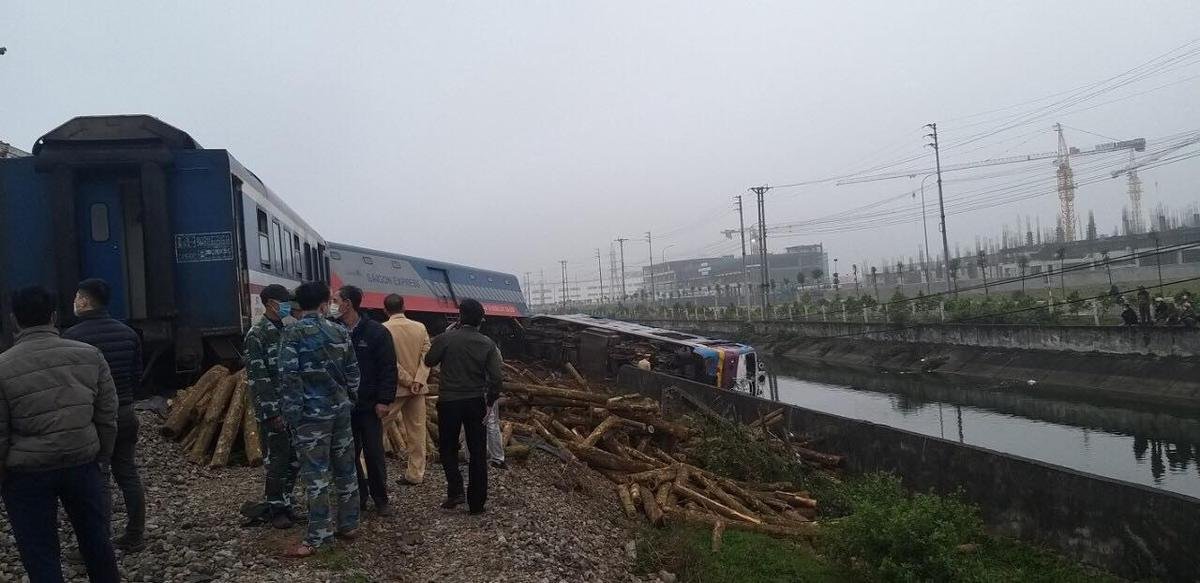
187	237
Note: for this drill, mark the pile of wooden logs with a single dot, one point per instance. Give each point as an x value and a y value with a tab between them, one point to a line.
214	418
627	439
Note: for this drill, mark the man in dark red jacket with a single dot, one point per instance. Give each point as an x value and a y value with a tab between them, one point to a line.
122	349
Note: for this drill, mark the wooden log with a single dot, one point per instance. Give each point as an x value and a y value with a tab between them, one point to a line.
768	486
775	503
555	392
613	476
794	500
627	501
750	498
575	374
766	419
824	459
715	506
714	489
189	437
565	432
608	423
212	418
652	509
396	436
718	533
661	455
251	439
665	495
681	432
522	428
636	492
232	425
602	459
687	515
555	442
560	403
181	414
655	477
682	474
516	451
506	433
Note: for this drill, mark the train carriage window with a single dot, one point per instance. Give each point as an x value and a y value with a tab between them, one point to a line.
286	251
99	222
397	264
368	260
264	240
277	249
296	264
308	265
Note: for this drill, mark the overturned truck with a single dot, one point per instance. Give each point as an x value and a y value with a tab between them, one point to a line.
600	346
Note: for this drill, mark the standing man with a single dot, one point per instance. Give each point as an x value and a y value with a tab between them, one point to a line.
262	378
318	375
58	423
122	350
376	390
1143	300
471	382
411	341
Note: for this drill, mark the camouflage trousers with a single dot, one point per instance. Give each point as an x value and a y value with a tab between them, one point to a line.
326	451
282	465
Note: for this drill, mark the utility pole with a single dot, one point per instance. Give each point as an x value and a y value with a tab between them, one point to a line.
622	241
612	270
763	269
650	242
745	271
566	292
937	155
528	291
542	295
600	266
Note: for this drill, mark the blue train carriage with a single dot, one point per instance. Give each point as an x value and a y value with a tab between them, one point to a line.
185	235
432	290
599	345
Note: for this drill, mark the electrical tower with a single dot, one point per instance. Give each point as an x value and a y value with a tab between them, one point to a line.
600	267
1066	188
622	241
764	282
566	291
650	243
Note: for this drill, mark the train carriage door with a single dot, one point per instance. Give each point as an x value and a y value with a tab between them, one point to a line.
100	219
439	280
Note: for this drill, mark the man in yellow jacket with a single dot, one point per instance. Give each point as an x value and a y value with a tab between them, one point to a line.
412	342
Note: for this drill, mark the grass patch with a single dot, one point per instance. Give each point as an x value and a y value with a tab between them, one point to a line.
334	559
686	551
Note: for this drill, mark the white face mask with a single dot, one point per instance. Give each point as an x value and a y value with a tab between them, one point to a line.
333	310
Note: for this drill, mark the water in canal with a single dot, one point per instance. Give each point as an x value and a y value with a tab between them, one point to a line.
1158	447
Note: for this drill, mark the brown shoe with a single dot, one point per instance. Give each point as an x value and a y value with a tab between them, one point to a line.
300	551
350	534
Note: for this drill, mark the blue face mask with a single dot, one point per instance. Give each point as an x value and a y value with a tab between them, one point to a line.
285	309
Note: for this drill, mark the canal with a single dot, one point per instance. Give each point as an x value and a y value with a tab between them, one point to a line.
1158	447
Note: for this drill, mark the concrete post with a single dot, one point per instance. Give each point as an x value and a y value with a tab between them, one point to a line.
823	315
1096	312
864	315
942	311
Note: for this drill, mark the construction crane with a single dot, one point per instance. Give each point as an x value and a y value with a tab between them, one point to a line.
1136	215
1062	161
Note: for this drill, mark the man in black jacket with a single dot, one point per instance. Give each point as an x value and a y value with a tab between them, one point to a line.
376	391
122	349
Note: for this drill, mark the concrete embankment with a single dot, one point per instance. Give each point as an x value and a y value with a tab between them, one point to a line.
1136	531
1156	365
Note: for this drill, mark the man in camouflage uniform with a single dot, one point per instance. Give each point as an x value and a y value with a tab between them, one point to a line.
319	376
262	377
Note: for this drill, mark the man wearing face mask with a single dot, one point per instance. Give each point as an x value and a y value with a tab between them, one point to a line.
122	349
262	378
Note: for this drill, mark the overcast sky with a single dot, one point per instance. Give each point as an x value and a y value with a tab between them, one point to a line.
510	135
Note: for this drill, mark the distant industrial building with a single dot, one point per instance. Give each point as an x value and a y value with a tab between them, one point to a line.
701	276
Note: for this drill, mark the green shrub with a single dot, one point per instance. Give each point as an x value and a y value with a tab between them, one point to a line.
891	536
729	450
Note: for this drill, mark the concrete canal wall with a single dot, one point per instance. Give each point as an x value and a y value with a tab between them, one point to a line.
1163	342
1155	365
1136	531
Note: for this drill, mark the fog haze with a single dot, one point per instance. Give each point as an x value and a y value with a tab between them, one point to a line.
513	135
